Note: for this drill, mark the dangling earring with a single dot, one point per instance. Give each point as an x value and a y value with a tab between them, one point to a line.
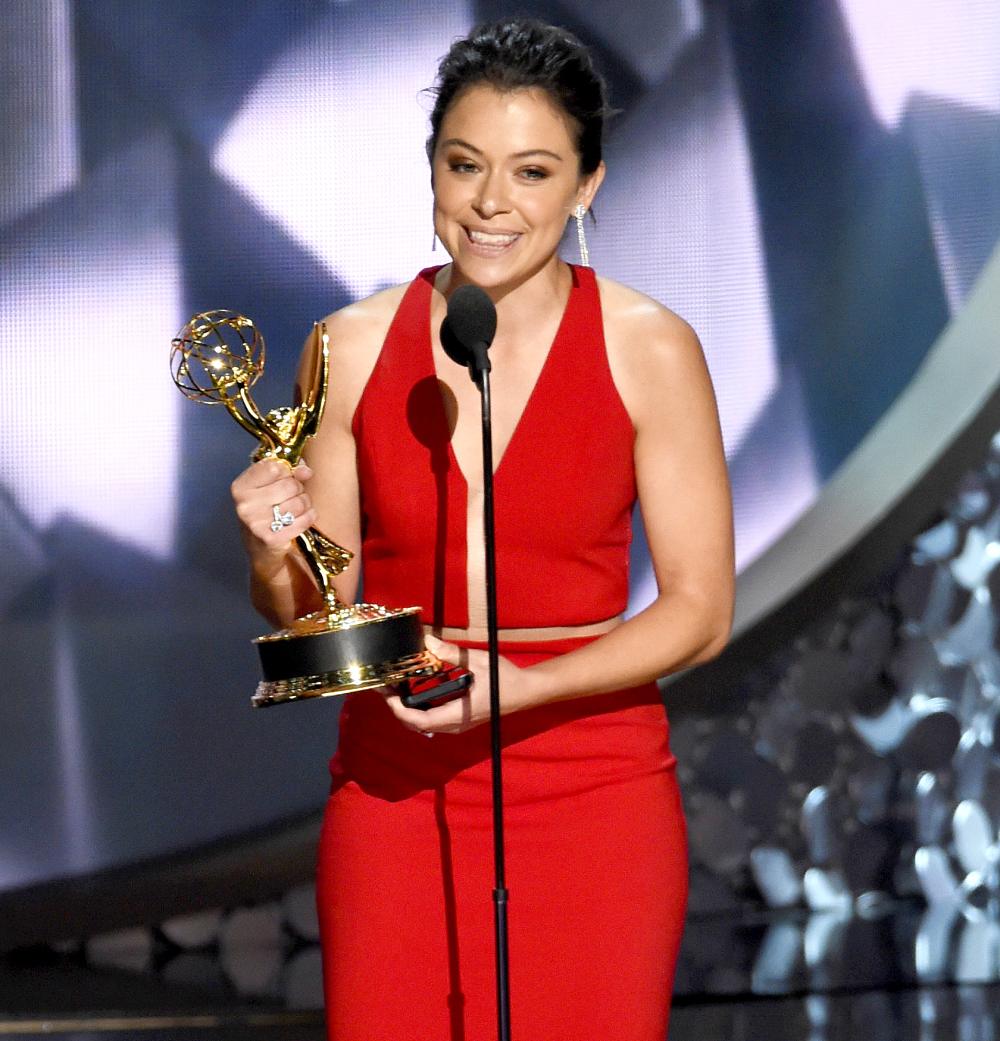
579	213
434	240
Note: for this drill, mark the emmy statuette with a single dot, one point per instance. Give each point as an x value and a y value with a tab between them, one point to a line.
215	359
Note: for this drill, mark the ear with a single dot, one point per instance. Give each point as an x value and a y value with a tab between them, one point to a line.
589	185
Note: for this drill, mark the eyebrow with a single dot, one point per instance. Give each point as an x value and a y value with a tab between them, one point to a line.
517	155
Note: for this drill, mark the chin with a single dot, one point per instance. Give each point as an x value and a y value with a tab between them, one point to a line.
498	273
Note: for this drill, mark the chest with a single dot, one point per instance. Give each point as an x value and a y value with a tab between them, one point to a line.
522	375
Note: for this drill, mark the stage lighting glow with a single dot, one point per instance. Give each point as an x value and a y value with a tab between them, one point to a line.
38	131
91	295
945	50
353	186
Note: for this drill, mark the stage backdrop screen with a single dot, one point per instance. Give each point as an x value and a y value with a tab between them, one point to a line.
813	186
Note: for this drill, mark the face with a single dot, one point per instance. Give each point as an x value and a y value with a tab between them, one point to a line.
506	179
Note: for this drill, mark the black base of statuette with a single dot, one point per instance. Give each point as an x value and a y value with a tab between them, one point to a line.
354	649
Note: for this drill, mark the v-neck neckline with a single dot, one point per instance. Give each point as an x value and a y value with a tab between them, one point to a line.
539	379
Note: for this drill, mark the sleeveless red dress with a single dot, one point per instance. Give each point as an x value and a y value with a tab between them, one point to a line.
595	836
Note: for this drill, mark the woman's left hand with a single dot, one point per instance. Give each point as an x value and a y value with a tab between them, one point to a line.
473	707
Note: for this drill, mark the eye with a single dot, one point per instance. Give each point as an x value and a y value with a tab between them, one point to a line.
461	166
534	173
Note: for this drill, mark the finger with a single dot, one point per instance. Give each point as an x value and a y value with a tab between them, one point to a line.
263	530
296	506
450	718
448	652
299	525
279	491
302	472
265	472
259	502
412	718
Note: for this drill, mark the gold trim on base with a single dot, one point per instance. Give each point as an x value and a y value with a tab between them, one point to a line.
343	681
345	616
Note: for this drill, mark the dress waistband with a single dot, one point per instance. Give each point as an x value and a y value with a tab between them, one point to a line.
544	634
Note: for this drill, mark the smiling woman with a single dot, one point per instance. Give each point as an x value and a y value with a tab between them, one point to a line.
601	398
507	177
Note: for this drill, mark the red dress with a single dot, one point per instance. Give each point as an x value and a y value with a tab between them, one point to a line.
595	836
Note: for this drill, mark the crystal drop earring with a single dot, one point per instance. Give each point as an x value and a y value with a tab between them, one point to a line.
579	213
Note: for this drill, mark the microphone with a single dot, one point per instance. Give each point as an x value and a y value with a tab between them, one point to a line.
469	328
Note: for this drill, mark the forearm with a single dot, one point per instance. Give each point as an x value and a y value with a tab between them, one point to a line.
281	589
673	633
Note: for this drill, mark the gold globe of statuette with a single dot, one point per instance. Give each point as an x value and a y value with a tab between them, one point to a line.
215	355
215	359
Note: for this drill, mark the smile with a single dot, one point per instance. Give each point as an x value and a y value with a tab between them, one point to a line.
491	243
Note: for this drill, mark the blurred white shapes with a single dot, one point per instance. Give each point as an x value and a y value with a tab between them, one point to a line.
884	733
937	880
818	826
91	297
648	38
777	958
39	154
252	946
972	766
941	597
979	555
977	959
826	890
129	949
824	931
191	931
972	499
972	635
944	50
937	543
776	876
330	142
932	947
973	835
932	809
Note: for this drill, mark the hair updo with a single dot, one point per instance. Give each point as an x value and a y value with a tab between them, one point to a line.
521	53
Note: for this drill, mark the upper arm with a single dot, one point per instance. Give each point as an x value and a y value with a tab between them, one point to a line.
659	368
355	336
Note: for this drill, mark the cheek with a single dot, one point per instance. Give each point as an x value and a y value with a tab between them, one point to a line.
448	199
552	212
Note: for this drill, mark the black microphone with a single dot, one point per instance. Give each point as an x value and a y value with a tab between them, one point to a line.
469	328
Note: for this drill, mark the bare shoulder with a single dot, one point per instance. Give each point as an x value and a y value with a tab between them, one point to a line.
651	350
356	334
641	328
359	329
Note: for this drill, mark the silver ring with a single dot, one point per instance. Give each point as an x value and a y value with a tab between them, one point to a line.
281	520
427	733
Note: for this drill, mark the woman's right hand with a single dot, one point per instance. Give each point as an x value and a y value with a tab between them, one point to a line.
261	487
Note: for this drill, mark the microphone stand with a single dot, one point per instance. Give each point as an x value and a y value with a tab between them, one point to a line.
480	363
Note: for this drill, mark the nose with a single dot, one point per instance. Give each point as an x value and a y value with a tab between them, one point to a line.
491	199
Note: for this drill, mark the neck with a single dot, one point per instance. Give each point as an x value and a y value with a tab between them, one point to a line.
524	302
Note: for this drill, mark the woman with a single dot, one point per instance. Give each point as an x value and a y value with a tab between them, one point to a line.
600	396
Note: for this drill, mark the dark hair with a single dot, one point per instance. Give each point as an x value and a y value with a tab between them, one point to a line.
519	53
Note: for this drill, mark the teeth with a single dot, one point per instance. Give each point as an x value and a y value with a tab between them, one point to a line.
485	239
